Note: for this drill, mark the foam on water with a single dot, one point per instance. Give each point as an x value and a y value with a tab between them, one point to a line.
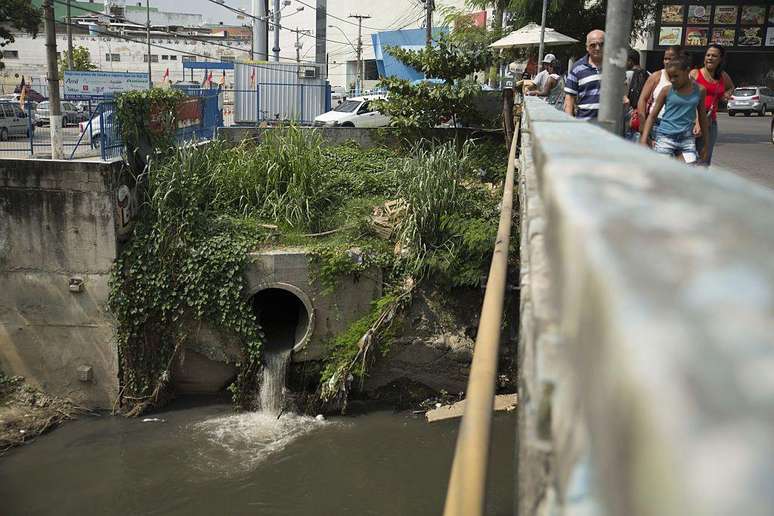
240	442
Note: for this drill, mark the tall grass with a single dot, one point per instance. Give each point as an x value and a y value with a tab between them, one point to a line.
278	181
431	186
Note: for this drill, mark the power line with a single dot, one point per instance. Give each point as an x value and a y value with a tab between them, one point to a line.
186	52
272	22
175	34
338	18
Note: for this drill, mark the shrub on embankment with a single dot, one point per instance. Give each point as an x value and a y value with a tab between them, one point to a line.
418	213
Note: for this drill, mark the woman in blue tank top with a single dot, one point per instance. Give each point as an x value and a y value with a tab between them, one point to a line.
683	102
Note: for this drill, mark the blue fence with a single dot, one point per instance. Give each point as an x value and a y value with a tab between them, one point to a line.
91	131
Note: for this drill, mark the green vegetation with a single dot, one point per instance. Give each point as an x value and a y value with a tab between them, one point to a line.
429	104
19	15
205	207
148	120
81	61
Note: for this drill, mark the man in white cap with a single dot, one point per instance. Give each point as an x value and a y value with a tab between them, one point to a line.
541	78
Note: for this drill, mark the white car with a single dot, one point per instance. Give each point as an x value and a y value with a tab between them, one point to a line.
353	112
96	127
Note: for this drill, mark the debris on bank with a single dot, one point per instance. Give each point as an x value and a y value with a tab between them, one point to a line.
26	412
507	402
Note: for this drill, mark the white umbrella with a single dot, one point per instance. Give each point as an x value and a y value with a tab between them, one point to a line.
529	35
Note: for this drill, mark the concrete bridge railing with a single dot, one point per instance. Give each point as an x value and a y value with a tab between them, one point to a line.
647	330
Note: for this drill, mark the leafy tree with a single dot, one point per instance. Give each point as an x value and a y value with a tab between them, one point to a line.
449	60
431	103
19	15
81	61
577	18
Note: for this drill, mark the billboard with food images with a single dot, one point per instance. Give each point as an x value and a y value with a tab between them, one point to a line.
742	24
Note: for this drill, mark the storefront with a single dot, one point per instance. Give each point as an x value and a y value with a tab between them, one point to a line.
744	27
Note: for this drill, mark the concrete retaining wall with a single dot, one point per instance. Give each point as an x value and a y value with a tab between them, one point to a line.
647	330
58	224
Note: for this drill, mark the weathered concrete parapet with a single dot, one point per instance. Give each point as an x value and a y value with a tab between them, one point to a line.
647	345
58	227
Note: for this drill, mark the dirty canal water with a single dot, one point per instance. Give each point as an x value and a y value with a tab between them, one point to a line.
201	459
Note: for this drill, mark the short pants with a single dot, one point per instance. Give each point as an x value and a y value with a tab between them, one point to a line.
673	145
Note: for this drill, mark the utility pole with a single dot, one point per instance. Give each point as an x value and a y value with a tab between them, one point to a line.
147	33
53	84
429	7
321	33
618	24
260	40
542	34
277	17
360	63
298	45
69	39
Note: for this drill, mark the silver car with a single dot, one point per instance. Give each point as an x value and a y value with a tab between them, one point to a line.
13	121
751	99
70	113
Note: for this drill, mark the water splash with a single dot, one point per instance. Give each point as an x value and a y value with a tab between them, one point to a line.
240	442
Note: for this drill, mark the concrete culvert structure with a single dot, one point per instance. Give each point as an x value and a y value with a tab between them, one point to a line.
284	313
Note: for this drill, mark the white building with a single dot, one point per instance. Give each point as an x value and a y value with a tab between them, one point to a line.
26	56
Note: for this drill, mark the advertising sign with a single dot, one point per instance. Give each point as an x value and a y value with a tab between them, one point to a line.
699	14
101	84
724	37
696	36
726	15
736	24
670	36
672	14
753	14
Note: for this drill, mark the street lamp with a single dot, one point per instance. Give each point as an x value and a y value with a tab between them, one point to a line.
343	34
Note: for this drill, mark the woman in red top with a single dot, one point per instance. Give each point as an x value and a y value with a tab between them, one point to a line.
718	85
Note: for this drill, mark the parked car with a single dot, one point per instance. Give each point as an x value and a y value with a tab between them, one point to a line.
14	121
751	99
353	112
70	114
96	127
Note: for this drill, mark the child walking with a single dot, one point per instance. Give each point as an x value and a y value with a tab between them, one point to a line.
684	101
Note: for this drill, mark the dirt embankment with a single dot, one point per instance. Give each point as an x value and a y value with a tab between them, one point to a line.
26	412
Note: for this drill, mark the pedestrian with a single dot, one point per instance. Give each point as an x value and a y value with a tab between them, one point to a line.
583	81
718	85
683	102
657	81
552	86
541	78
636	77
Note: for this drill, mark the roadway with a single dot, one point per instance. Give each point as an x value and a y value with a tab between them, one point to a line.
744	147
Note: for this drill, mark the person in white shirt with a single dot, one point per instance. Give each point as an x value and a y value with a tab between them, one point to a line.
541	78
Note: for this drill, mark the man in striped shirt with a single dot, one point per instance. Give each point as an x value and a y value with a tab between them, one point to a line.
583	81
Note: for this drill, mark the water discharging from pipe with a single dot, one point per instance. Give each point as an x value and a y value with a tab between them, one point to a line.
283	317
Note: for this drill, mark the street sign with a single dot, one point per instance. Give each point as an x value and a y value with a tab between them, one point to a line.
88	85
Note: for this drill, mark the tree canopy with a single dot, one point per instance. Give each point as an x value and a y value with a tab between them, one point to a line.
81	61
18	15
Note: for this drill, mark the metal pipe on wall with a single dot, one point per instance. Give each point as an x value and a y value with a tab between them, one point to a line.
466	495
